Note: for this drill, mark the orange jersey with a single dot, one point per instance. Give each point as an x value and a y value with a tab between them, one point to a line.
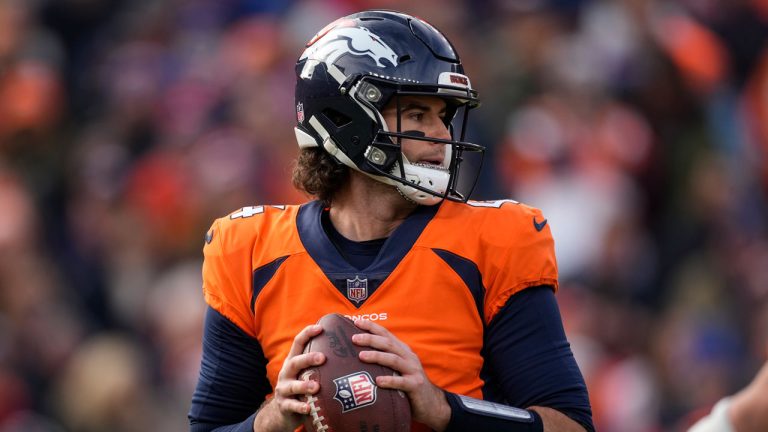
437	281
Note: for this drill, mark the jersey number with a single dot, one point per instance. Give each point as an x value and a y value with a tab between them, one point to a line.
494	204
252	210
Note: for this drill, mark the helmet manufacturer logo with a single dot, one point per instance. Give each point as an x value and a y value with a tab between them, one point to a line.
357	289
356	41
355	391
454	80
300	112
459	79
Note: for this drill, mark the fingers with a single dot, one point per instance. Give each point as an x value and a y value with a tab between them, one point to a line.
291	388
379	338
297	360
372	327
400	382
388	350
380	343
390	360
301	339
294	365
286	392
286	399
287	406
294	406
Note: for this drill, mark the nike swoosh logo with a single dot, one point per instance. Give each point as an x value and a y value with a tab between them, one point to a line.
539	225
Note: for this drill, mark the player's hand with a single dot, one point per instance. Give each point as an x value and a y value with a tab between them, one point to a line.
285	411
749	407
428	404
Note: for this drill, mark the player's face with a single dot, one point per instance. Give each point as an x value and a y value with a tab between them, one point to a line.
425	114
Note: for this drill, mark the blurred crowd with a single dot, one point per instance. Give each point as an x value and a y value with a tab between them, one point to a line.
640	127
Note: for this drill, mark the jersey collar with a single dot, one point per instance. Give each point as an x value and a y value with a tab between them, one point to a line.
324	253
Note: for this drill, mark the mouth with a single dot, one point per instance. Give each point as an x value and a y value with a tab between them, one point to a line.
433	164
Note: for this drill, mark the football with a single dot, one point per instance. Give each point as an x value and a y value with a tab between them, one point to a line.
349	399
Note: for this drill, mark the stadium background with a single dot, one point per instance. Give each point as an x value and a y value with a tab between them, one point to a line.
640	127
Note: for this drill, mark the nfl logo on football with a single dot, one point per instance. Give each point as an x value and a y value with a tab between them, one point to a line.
357	289
355	391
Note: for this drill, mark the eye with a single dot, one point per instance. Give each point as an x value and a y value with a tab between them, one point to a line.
416	116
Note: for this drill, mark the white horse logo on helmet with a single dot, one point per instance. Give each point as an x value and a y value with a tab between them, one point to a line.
356	41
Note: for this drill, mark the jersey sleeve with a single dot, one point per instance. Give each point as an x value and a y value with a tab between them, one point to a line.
227	271
232	382
520	254
529	361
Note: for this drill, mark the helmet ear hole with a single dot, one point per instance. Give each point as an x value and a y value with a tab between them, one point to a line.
337	118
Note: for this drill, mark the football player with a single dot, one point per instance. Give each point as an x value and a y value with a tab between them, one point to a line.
458	295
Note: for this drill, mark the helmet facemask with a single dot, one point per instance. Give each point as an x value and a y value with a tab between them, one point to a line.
426	184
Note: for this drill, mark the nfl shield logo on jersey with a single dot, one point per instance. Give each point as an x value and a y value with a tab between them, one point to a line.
355	391
357	289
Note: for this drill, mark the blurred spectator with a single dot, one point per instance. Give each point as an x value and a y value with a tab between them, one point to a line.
105	387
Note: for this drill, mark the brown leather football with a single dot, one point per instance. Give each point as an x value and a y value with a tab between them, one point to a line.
349	399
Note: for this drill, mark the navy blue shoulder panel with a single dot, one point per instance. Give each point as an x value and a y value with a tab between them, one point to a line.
262	275
469	273
233	377
333	264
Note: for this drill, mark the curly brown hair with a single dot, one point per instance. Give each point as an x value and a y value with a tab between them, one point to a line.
319	174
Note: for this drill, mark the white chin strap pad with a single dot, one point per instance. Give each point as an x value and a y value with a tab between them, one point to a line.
433	179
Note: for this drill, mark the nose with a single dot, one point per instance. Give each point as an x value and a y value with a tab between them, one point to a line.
440	129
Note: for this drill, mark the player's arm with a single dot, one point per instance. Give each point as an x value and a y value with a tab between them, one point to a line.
530	364
553	420
444	411
232	383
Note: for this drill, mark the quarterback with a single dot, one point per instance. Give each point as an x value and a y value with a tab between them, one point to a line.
458	296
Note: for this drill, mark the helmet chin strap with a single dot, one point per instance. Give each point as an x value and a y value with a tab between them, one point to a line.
435	179
417	196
